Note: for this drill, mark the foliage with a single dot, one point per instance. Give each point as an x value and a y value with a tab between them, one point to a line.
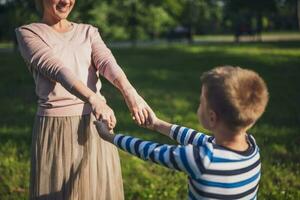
150	19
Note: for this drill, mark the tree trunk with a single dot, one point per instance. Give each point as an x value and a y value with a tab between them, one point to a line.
259	28
133	24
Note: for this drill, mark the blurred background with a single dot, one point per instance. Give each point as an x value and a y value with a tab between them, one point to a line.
164	46
123	20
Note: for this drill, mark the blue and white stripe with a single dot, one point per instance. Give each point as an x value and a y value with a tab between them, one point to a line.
214	172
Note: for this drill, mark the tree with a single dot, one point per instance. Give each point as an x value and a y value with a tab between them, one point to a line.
247	16
13	14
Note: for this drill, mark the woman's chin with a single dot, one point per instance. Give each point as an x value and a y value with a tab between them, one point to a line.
62	15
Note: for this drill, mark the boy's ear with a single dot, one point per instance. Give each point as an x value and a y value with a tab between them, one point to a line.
212	119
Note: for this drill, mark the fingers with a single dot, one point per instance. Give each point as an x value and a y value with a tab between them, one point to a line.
103	131
113	121
96	114
109	119
136	118
143	117
152	116
101	127
141	112
146	115
106	114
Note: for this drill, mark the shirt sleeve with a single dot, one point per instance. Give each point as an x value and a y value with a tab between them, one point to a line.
182	158
103	59
39	56
185	136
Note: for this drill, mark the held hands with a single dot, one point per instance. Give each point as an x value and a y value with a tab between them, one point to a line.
103	130
153	124
140	110
102	111
157	125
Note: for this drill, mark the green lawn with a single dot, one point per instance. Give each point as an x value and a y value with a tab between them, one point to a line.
169	79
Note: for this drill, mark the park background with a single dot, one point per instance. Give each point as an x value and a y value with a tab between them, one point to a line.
164	46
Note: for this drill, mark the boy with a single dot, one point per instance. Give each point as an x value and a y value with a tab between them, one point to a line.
225	165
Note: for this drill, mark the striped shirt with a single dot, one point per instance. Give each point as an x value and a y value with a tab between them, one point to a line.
214	172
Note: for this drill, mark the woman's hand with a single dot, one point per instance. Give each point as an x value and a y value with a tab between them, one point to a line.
104	131
140	110
153	124
102	111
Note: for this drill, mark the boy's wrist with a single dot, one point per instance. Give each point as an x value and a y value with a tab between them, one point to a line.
104	132
162	127
109	138
156	124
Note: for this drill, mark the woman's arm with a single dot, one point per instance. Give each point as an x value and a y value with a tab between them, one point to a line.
140	110
106	64
39	56
100	109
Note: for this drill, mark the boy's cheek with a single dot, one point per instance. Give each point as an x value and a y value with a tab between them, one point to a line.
199	113
202	118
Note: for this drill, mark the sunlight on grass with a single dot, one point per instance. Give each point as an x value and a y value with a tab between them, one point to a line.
6	45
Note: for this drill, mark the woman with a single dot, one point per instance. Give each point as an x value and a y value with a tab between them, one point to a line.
69	160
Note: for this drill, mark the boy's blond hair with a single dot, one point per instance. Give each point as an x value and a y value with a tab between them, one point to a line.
238	96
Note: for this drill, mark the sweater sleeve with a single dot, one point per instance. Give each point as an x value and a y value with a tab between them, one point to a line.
185	136
103	59
40	57
183	158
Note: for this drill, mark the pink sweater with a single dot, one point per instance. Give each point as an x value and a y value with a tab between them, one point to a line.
57	60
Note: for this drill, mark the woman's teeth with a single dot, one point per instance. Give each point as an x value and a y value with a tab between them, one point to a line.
62	8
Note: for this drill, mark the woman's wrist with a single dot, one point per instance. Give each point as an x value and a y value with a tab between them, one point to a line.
128	91
93	99
123	85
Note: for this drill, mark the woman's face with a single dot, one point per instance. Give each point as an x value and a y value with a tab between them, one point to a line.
58	9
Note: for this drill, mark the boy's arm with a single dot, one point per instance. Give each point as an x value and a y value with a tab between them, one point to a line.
181	134
182	158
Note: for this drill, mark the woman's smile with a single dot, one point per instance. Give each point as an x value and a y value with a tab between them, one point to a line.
63	7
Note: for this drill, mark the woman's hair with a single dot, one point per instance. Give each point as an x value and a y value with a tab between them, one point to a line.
238	96
39	6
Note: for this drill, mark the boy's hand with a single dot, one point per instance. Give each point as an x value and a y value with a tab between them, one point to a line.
103	130
140	110
151	124
159	126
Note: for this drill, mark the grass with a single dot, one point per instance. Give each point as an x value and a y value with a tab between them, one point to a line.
6	45
168	78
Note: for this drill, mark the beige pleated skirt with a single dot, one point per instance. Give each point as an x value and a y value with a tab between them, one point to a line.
71	162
